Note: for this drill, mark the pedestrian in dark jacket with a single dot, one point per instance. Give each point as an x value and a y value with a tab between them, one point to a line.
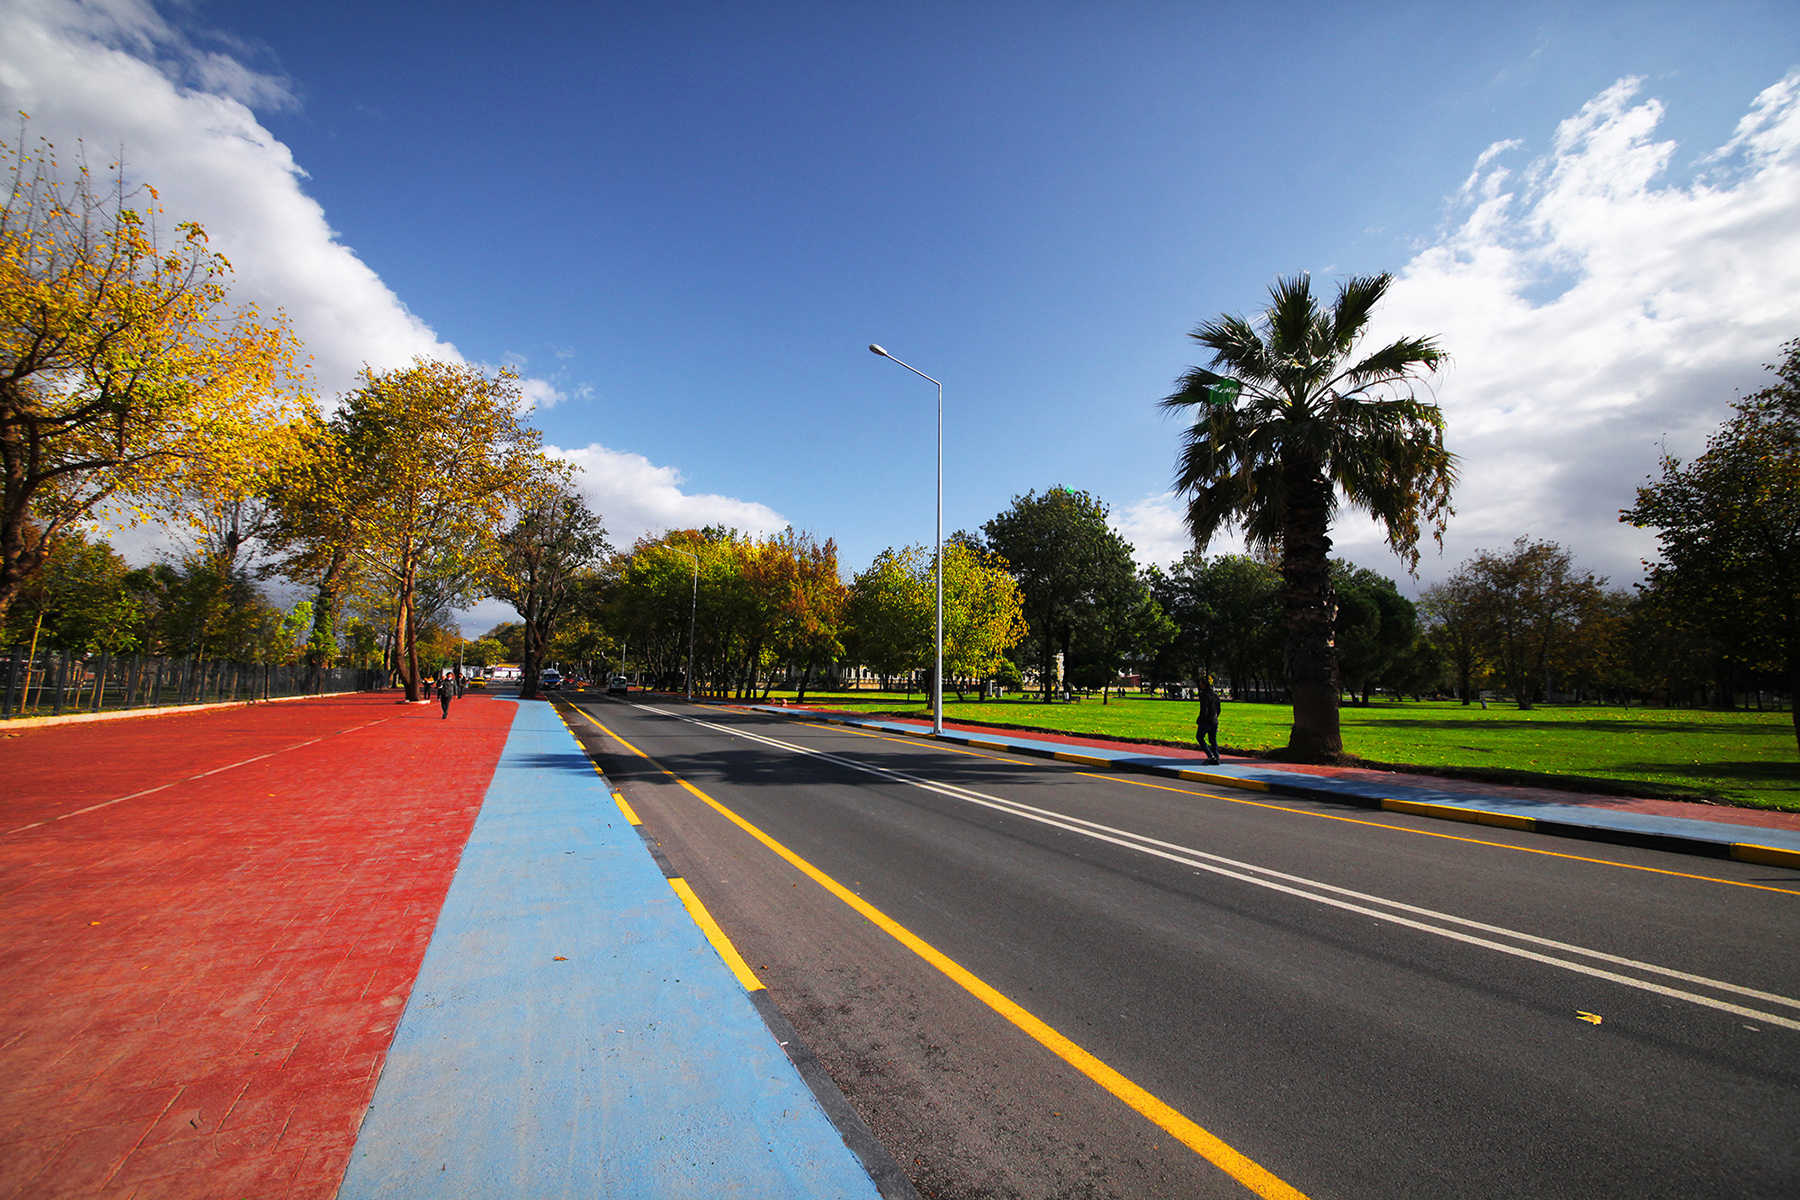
1206	726
445	690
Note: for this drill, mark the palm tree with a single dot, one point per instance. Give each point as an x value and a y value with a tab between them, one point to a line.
1299	422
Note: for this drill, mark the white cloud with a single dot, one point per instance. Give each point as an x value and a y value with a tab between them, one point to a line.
1156	527
635	496
1596	312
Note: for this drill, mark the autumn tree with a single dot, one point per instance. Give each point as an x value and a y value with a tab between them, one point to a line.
795	579
554	539
315	501
121	362
441	457
984	613
891	614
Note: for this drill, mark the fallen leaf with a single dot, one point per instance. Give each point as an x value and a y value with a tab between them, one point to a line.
1590	1018
560	958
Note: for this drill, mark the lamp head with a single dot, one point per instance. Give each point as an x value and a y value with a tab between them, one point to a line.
874	349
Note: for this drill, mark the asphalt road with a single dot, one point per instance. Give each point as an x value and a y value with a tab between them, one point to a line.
1360	1005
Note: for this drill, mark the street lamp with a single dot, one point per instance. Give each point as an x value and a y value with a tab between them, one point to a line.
937	678
693	613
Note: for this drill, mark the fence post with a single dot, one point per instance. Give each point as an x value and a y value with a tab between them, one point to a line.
62	681
12	681
100	681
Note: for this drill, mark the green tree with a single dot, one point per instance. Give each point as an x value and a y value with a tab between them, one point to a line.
889	614
1315	420
1452	611
1376	625
1073	570
552	543
81	599
1729	528
1530	604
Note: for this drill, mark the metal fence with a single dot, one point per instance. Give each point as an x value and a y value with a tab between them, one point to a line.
54	684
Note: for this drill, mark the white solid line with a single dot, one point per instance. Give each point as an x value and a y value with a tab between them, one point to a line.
1188	856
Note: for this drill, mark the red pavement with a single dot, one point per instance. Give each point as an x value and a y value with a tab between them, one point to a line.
1724	814
198	985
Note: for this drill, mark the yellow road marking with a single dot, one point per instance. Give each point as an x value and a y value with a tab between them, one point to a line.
1301	812
615	737
716	936
1253	1176
619	799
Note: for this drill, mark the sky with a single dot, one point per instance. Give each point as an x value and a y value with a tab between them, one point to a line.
684	223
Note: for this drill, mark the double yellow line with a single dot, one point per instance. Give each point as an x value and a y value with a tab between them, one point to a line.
1241	1168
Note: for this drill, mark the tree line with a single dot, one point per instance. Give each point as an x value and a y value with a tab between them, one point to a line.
129	383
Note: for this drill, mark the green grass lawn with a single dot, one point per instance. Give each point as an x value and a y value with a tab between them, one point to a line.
1743	758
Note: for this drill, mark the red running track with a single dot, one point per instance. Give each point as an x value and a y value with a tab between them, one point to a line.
199	983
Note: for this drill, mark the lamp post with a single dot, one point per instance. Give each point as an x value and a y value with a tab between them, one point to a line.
693	614
937	677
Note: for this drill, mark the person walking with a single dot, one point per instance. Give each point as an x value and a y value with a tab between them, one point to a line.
1206	726
445	690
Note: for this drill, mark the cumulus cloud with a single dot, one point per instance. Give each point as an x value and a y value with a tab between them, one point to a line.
1596	312
635	496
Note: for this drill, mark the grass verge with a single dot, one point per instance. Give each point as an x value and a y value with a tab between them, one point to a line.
1742	758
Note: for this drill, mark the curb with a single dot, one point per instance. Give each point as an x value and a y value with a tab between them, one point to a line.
1679	843
167	710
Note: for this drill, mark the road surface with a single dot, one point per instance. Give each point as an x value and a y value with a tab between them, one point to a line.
1037	980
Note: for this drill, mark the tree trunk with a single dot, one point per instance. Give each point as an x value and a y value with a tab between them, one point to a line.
533	656
409	634
1309	614
1794	694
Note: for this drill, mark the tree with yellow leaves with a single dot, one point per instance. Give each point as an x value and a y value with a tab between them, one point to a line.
439	457
121	363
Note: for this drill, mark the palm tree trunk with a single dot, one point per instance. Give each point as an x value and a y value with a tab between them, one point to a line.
1309	614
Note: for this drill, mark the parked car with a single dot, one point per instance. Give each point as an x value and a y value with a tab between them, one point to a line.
550	678
618	686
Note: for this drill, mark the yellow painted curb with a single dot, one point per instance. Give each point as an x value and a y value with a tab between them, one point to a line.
1767	855
1450	812
1084	759
1231	781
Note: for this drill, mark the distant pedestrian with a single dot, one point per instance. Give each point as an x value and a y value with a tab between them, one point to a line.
446	691
1206	726
459	685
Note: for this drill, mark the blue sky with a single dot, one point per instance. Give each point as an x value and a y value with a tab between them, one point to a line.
685	223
